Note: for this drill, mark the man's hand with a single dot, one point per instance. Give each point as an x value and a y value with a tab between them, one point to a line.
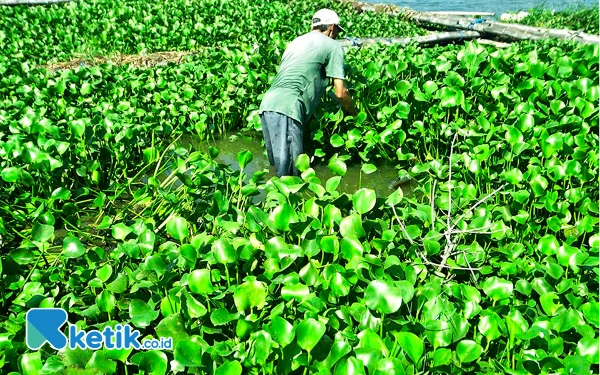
343	96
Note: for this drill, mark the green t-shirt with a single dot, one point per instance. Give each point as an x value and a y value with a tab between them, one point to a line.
306	64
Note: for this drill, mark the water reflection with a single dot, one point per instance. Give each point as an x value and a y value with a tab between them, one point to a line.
353	180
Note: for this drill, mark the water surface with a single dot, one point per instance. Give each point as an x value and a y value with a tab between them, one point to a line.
497	7
354	179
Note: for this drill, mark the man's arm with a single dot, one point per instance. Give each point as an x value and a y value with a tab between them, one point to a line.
344	97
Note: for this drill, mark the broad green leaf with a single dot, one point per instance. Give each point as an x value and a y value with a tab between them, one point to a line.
177	227
591	312
547	302
244	158
229	368
351	226
339	350
588	347
152	362
250	294
141	313
350	366
222	316
383	297
364	200
282	216
282	331
337	166
302	162
188	353
31	363
11	174
468	351
497	288
172	326
118	285
42	232
308	333
199	282
411	344
223	251
101	363
106	301
120	231
72	247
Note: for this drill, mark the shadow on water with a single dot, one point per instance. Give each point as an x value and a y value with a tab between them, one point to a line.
354	179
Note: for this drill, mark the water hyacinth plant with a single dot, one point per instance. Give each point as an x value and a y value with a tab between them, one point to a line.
489	265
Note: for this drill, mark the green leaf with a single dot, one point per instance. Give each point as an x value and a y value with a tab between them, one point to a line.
308	333
120	231
282	216
389	366
282	331
297	291
11	174
86	89
588	348
152	362
105	272
591	312
383	297
177	227
337	141
31	363
229	368
119	285
468	351
497	288
188	353
351	226
72	247
141	313
548	245
244	158
364	200
576	365
199	282
302	162
100	362
547	302
368	168
120	355
172	326
222	316
350	366
250	294
223	251
106	301
337	166
42	232
411	344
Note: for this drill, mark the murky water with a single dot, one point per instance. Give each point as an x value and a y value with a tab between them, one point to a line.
497	7
353	180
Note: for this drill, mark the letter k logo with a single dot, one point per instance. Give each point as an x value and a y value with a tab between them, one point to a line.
43	324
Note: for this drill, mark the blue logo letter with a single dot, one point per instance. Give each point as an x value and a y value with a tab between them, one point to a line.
43	325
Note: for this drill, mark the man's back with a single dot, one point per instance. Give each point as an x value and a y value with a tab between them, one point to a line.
305	67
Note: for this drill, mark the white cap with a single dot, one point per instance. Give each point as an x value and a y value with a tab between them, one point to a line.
326	17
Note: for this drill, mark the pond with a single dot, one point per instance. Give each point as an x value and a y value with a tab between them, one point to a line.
354	179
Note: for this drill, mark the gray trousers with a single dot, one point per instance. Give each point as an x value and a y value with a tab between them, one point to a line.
283	140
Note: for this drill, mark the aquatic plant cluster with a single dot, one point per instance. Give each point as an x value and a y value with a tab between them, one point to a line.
490	265
576	17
